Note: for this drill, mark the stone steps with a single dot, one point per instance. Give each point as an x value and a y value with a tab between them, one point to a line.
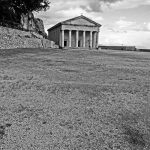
80	48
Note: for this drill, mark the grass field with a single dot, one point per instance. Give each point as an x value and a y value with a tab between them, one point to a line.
74	100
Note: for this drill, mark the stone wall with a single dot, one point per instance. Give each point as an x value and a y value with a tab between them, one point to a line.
13	38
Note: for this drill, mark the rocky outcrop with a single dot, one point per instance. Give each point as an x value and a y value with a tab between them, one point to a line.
33	24
13	38
39	26
27	21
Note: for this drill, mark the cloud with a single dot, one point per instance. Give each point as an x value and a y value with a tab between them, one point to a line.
102	5
142	27
124	25
125	4
62	10
96	5
148	26
126	30
130	38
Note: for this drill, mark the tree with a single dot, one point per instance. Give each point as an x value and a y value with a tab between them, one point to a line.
25	6
13	9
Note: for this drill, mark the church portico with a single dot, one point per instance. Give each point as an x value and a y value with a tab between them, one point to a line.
79	32
76	38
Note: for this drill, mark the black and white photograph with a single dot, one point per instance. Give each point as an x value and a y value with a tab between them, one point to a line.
74	74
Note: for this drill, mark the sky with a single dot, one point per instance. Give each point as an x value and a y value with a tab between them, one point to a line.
124	22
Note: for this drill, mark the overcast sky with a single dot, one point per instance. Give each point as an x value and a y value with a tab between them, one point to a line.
124	22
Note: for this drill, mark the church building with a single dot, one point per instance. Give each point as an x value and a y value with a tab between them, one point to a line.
78	32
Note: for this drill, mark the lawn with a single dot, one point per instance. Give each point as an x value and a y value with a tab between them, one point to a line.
74	100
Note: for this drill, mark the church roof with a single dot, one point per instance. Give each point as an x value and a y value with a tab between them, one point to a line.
73	22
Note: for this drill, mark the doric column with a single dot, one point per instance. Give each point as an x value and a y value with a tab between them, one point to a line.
97	39
83	38
62	38
70	34
91	39
77	37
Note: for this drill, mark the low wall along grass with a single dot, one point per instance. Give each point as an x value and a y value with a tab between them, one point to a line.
13	38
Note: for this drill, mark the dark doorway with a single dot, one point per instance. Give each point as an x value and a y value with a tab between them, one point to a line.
65	43
79	44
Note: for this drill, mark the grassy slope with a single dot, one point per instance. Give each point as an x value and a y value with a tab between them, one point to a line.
74	100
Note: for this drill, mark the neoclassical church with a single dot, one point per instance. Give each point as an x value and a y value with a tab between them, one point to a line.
78	32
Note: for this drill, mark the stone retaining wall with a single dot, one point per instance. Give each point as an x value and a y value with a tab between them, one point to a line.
13	38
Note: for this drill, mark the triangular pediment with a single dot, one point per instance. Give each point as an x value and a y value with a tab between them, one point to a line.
81	20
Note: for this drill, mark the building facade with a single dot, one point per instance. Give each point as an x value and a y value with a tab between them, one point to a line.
78	32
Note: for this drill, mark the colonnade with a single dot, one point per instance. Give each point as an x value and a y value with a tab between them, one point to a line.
93	41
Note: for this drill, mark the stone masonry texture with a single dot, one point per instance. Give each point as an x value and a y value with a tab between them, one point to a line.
13	38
